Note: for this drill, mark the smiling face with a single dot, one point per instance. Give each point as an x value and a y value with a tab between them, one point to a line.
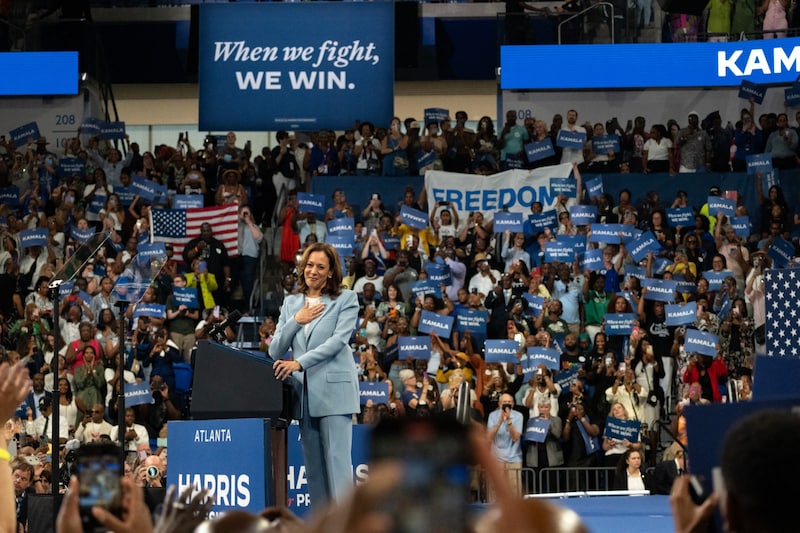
316	272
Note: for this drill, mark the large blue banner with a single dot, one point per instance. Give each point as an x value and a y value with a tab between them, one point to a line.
696	65
45	73
286	66
228	457
299	501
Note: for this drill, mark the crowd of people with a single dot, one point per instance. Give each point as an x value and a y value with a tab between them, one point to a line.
504	277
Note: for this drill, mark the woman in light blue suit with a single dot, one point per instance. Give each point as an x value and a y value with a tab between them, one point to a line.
317	324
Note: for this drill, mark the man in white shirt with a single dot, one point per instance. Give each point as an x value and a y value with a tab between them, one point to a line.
42	427
485	280
572	155
370	276
91	430
135	434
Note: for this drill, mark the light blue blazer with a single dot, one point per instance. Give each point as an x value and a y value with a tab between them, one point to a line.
324	353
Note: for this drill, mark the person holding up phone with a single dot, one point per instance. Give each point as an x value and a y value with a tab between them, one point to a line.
205	282
316	323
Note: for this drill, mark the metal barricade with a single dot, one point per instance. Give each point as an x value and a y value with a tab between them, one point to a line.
523	479
574	479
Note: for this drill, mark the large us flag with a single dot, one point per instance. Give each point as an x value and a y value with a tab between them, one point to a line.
179	226
782	291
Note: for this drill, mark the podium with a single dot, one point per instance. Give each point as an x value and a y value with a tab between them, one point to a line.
231	383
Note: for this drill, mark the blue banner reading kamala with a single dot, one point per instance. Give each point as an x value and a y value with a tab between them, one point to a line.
748	89
537	430
758	163
539	150
507	221
441	324
377	391
594	186
679	315
311	203
501	350
660	290
698	65
261	70
414	347
138	394
701	342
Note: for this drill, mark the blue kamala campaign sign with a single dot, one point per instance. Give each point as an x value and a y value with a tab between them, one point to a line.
434	322
661	290
414	347
311	203
679	315
261	70
680	216
229	457
536	431
507	221
571	139
501	350
748	89
701	342
377	391
185	296
539	150
413	217
758	163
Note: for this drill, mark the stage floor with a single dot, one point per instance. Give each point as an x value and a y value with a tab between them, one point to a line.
622	514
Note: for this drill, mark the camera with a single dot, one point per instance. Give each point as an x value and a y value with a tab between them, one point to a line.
99	469
152	472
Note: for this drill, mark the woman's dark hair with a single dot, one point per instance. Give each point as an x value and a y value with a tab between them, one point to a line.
68	394
333	287
622	465
661	129
399	297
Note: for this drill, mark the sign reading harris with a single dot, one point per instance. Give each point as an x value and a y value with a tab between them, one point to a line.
680	315
501	350
237	480
260	70
618	323
539	150
701	342
311	203
414	347
413	218
536	431
33	237
619	429
748	89
433	322
377	391
507	221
